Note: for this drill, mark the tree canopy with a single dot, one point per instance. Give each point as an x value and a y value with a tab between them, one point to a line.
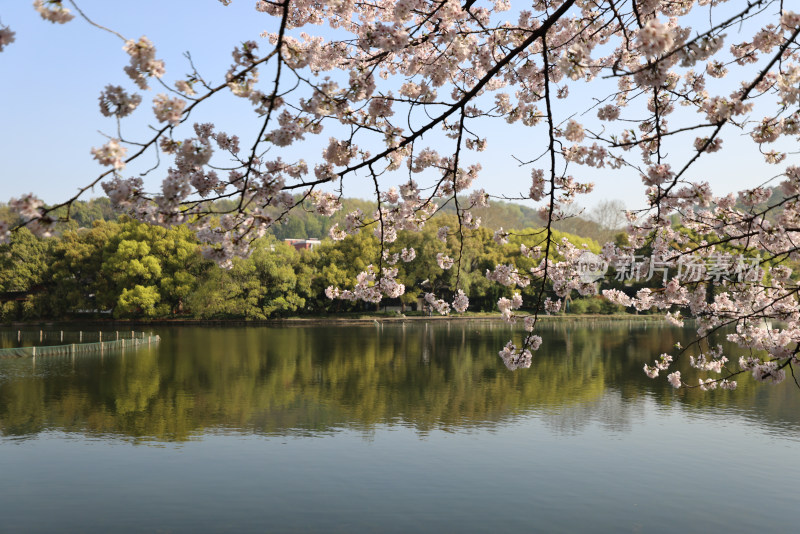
133	270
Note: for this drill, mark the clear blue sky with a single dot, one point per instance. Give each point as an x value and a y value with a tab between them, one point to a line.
53	75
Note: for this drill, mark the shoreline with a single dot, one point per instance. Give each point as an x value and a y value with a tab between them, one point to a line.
362	319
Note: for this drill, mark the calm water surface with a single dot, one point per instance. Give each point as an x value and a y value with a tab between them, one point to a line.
393	428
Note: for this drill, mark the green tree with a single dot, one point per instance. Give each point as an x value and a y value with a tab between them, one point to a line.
23	267
275	265
259	287
162	261
23	261
337	263
75	271
139	300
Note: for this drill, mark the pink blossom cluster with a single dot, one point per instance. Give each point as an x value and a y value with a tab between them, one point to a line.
460	302
441	306
123	192
143	61
115	101
168	109
508	275
6	37
515	358
444	261
31	209
712	361
506	306
112	153
661	364
53	11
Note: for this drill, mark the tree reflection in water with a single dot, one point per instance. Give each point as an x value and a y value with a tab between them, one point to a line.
315	380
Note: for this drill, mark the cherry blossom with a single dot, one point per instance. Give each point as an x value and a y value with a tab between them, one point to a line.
6	37
115	101
445	262
112	153
674	379
655	38
143	61
404	96
53	11
460	302
408	255
168	109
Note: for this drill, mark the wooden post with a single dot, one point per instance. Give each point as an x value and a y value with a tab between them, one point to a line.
80	336
101	338
117	335
40	336
19	335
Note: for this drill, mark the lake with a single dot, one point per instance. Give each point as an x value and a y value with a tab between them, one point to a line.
391	428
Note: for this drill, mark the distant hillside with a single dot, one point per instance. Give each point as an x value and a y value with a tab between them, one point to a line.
511	216
307	224
82	213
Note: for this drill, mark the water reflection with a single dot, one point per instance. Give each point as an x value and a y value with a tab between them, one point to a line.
317	380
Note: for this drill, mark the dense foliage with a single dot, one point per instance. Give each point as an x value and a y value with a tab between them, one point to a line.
130	269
